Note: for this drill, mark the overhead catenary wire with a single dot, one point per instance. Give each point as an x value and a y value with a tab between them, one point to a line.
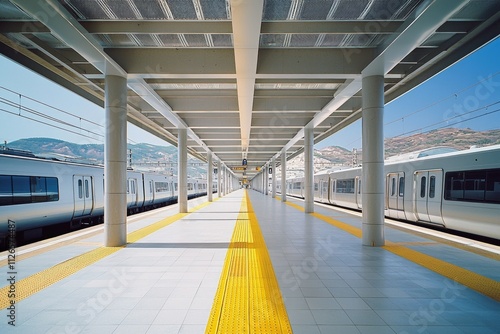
42	115
62	125
45	123
453	95
48	105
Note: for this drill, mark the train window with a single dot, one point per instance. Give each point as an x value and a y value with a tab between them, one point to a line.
453	185
325	187
161	187
423	182
27	189
432	187
132	186
401	186
345	186
38	189
80	189
316	187
393	186
128	187
493	187
21	189
359	186
5	190
473	186
87	194
52	189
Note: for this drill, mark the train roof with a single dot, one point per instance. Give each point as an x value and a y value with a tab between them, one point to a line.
50	157
422	153
437	154
443	153
15	152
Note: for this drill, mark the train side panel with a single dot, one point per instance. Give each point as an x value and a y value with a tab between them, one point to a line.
345	188
50	192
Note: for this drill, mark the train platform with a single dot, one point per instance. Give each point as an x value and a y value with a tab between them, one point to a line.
248	263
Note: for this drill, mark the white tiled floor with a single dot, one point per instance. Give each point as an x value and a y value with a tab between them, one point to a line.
166	282
332	284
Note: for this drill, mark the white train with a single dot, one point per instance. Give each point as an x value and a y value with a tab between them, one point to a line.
37	193
456	190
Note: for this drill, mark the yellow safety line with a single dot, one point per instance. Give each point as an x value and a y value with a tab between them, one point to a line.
343	226
248	298
32	284
482	284
437	239
43	279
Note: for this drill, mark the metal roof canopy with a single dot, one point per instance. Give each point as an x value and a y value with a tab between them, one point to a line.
244	77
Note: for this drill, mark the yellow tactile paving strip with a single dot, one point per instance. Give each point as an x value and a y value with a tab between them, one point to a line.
41	280
482	284
248	299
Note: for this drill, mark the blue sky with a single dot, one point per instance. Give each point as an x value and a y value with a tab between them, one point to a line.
468	89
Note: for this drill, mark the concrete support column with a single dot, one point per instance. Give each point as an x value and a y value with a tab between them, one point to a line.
224	189
309	169
219	176
273	188
266	173
115	161
227	180
372	188
210	175
283	175
226	183
222	181
261	179
182	170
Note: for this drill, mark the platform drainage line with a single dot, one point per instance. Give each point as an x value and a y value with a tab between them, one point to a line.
248	298
487	286
35	283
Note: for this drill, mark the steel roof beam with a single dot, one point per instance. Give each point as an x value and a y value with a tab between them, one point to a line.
65	27
246	22
287	63
68	29
409	36
224	27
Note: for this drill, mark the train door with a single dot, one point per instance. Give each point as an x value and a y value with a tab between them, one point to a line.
395	194
428	194
83	191
323	186
132	192
358	191
333	187
150	192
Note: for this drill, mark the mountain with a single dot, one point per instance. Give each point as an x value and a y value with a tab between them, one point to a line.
144	156
457	138
164	158
335	156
